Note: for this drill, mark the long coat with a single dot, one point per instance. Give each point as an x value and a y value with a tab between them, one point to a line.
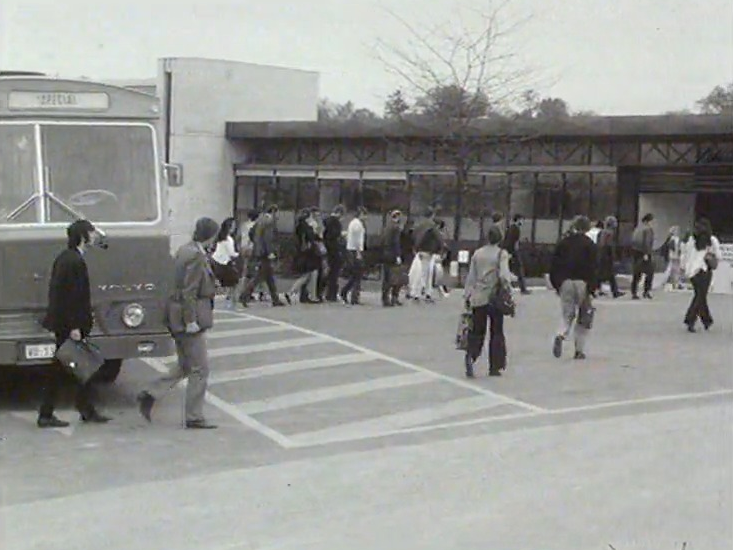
69	295
306	254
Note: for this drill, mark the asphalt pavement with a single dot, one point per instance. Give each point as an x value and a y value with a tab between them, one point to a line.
353	427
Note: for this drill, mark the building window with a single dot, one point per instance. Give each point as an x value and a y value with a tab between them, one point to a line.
330	195
576	198
604	196
548	207
308	194
521	200
422	195
397	196
351	194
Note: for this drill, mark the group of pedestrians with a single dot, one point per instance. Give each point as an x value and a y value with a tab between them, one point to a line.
414	257
577	268
584	258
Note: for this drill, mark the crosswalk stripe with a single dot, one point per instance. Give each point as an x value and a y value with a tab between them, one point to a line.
290	366
255	348
407	365
332	392
227	320
218	334
394	422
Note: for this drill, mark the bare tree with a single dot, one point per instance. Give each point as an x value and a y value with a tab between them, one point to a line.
459	72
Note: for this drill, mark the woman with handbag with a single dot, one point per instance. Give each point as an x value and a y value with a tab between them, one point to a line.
190	313
488	296
700	258
225	260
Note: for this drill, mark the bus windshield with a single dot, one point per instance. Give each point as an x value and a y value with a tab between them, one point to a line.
103	172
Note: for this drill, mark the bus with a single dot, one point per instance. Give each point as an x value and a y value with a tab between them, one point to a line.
73	149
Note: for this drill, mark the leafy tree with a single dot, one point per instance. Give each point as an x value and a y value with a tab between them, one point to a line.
718	102
396	105
548	108
343	112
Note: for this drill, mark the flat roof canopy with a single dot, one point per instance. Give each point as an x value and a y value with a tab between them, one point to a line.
617	126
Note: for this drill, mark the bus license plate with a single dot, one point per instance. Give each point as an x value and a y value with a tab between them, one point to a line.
40	351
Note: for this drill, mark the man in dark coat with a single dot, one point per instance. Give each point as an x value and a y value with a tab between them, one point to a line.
391	260
334	242
573	274
69	315
511	245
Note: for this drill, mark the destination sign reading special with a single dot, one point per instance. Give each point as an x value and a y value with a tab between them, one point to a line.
72	101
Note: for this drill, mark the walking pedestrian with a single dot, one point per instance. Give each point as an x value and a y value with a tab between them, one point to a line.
427	242
190	315
224	260
489	267
672	253
335	248
391	260
700	257
511	245
573	275
306	261
264	252
642	248
355	245
69	316
607	256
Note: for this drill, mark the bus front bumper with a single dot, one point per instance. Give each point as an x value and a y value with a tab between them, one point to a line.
40	350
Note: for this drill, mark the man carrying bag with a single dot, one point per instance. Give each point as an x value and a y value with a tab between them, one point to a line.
69	317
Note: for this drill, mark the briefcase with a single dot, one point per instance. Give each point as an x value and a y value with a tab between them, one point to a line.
82	358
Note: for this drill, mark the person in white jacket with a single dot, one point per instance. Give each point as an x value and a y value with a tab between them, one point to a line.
700	256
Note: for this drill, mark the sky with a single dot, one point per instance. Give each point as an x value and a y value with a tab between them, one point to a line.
613	57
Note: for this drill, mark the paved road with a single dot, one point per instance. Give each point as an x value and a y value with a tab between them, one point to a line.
352	427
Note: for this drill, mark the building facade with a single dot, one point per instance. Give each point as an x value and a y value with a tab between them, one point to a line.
677	167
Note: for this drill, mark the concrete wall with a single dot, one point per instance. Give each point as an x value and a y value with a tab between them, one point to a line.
205	94
669	209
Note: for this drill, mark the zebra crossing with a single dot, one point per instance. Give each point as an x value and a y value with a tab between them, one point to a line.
301	388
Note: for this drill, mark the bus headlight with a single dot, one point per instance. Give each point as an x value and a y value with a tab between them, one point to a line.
133	315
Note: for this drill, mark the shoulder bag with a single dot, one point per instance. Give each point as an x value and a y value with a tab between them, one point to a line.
501	298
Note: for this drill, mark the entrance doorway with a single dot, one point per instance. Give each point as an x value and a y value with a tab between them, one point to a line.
718	208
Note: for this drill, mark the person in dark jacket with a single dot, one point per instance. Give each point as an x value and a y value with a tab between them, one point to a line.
642	248
306	261
335	247
391	260
264	252
573	276
69	316
511	245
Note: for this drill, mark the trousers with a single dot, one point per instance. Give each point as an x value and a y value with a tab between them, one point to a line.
193	364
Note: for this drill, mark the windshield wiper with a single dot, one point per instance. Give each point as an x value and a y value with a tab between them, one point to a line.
23	207
70	210
33	198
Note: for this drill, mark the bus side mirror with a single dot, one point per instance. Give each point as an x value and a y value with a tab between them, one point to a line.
174	174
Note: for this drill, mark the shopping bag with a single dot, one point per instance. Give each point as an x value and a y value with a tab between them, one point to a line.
465	323
82	358
586	313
